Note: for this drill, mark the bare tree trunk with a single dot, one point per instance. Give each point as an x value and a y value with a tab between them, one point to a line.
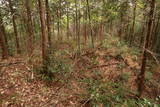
141	76
29	27
77	26
48	17
90	24
43	32
3	42
14	26
68	24
155	40
127	29
58	24
102	25
121	26
142	33
133	24
60	20
85	25
144	28
153	29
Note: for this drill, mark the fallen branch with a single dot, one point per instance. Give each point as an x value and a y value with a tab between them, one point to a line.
154	56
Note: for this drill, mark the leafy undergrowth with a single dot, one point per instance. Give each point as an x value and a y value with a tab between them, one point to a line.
100	77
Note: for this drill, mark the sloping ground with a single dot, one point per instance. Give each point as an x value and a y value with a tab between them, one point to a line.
19	87
105	76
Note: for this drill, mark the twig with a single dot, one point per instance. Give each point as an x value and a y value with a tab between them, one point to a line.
85	102
153	55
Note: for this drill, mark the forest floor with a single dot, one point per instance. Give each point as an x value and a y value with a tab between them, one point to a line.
104	76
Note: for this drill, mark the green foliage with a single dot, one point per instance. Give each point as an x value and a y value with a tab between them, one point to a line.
112	94
56	65
148	76
121	65
139	103
108	94
124	77
119	47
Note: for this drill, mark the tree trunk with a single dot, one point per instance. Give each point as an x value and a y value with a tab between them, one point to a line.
133	24
68	33
85	25
77	26
48	17
29	27
58	24
14	26
141	76
43	32
3	42
90	24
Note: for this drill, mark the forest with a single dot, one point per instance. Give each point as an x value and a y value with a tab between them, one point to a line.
79	53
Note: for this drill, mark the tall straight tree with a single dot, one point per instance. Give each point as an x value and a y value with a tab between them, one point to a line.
3	43
90	24
77	25
29	27
133	24
68	23
43	32
48	17
144	56
14	26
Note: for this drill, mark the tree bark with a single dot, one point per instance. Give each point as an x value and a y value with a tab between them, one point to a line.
48	17
43	31
3	41
90	24
29	27
133	24
68	21
14	26
77	26
141	76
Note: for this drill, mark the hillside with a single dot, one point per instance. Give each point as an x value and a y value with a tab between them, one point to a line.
105	76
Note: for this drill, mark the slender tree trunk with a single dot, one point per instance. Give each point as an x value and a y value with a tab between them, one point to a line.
14	26
90	24
53	26
60	20
102	25
58	24
153	29
68	34
141	76
29	27
79	21
142	33
3	41
85	25
133	24
48	17
77	26
157	37
144	27
43	32
121	25
127	30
